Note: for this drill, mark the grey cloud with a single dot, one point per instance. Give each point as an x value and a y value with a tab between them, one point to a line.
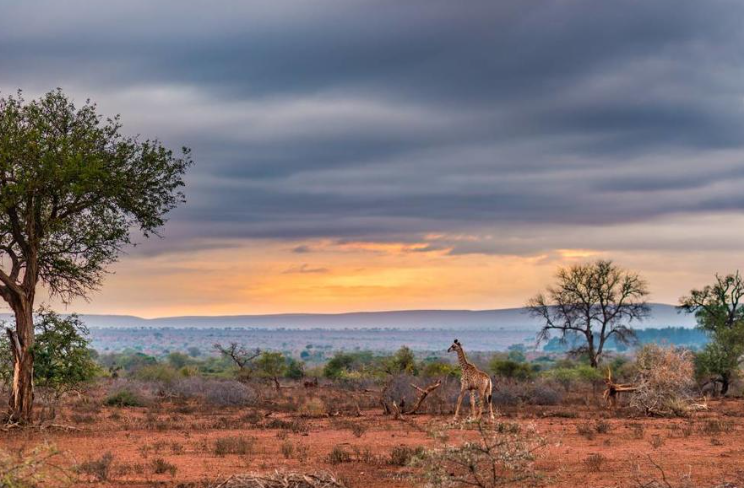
388	121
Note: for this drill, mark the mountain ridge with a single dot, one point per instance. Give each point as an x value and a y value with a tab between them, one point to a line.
663	315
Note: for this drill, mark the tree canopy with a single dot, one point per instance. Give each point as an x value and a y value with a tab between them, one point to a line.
593	302
72	190
719	310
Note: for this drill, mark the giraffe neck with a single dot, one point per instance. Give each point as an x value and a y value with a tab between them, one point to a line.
462	359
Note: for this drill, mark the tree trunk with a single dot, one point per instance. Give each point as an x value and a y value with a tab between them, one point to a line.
21	345
593	355
724	384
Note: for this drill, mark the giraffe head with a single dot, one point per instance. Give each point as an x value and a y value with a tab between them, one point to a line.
455	346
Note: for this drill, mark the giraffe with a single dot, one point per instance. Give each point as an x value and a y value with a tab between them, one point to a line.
472	379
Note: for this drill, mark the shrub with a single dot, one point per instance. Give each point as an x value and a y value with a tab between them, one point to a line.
494	459
438	369
602	427
215	392
99	468
594	462
541	394
585	430
402	455
233	445
339	364
287	449
656	441
665	381
339	455
62	358
161	466
510	369
157	372
638	430
124	398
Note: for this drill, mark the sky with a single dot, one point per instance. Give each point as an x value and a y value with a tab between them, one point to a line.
380	155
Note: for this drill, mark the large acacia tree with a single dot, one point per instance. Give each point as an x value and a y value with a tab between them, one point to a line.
719	310
592	302
72	190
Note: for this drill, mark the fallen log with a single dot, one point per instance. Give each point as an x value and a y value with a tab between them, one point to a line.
613	390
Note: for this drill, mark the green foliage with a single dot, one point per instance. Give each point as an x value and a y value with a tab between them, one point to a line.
130	361
295	369
341	364
270	364
74	188
436	369
178	360
124	398
568	373
510	369
719	311
403	361
720	358
22	468
157	372
63	360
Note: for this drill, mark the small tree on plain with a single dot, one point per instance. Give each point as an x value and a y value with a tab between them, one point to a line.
271	365
595	302
719	310
240	356
63	359
72	189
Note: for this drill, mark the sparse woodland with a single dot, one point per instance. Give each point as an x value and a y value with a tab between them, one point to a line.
72	190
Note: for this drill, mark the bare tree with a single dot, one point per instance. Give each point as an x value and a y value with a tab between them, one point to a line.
593	302
238	354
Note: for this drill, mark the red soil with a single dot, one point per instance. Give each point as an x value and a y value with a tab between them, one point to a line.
691	447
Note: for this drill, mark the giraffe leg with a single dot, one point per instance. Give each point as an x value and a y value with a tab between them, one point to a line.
459	402
490	400
472	404
482	403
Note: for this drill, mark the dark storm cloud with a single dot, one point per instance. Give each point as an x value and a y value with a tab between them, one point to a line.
388	121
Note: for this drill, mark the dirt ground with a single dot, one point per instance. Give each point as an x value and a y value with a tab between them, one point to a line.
188	446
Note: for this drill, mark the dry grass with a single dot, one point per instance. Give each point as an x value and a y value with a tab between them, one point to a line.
282	480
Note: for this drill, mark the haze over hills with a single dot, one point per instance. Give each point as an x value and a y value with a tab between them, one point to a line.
508	319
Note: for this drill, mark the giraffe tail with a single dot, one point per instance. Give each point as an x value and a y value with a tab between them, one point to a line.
489	397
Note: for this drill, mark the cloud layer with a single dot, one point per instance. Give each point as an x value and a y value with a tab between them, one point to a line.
513	128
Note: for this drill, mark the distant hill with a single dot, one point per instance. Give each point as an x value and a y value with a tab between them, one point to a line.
506	319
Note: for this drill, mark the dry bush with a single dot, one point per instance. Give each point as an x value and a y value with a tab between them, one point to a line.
296	426
35	469
339	455
161	466
499	457
541	393
282	480
637	429
521	392
440	401
656	441
594	462
403	455
288	449
234	445
664	382
215	392
585	430
603	427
